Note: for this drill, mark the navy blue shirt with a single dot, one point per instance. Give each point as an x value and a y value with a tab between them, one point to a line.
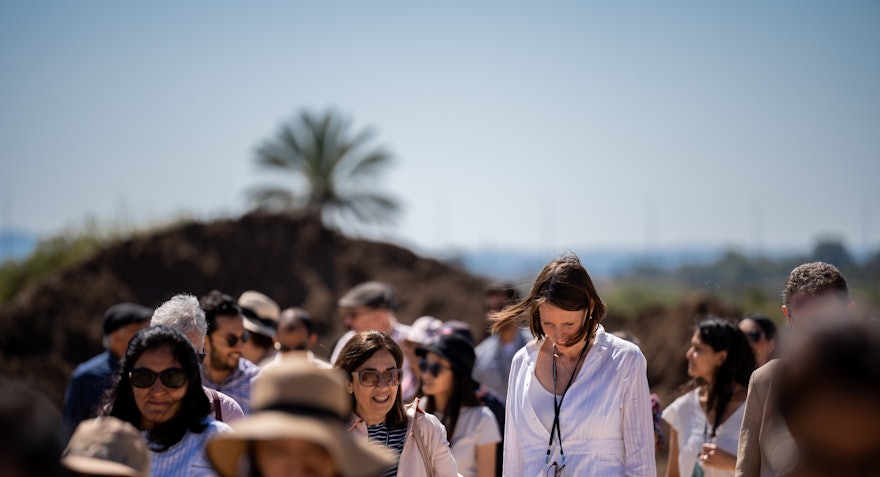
87	385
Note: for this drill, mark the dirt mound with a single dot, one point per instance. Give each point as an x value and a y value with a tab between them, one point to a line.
52	326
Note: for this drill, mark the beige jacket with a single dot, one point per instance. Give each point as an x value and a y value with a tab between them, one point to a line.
423	430
766	448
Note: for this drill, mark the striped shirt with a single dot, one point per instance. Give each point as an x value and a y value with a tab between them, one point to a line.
393	439
187	457
238	385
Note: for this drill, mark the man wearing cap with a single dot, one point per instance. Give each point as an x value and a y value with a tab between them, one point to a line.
260	319
224	368
372	306
91	378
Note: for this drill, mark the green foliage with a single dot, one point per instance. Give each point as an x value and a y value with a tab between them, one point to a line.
631	295
332	171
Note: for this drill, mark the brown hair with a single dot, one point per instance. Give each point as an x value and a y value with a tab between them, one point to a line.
563	283
357	351
814	279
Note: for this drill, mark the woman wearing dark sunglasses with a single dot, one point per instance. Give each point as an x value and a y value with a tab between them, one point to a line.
446	366
159	391
372	360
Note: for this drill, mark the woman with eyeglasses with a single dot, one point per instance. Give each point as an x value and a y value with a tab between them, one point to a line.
159	391
761	332
446	366
705	422
373	360
577	399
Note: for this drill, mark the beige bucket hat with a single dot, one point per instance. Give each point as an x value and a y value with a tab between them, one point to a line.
296	399
107	446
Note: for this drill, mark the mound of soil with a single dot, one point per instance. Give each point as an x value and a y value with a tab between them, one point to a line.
51	327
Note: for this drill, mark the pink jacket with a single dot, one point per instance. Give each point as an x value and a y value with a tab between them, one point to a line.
431	434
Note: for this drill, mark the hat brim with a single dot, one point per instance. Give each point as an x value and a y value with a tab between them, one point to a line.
255	326
95	466
352	458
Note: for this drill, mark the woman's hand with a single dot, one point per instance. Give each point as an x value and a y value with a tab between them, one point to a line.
712	456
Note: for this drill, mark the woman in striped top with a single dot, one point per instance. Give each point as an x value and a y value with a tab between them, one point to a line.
372	360
159	391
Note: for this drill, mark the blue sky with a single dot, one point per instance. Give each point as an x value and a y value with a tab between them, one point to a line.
546	125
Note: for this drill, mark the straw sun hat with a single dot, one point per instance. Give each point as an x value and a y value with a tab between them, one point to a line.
107	446
298	400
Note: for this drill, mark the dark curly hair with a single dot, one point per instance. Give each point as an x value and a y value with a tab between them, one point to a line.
194	406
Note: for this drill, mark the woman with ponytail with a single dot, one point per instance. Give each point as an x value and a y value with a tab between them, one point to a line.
705	421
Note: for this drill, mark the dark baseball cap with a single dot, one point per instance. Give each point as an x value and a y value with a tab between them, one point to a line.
371	295
123	314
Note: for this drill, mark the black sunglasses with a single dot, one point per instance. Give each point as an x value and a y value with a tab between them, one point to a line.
434	369
232	340
171	378
755	336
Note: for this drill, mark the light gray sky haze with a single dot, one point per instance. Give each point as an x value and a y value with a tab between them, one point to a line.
539	125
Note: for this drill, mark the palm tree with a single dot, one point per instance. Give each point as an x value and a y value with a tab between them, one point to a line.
334	171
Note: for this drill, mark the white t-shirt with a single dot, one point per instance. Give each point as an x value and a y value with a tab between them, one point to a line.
476	427
686	416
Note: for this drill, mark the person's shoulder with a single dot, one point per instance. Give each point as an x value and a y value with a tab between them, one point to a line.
214	426
764	374
98	365
248	368
620	348
487	344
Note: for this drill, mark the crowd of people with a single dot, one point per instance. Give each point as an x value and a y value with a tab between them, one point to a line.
219	386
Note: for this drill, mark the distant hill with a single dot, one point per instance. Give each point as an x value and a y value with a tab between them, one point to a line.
16	245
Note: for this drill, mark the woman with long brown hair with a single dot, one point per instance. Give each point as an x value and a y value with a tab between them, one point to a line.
578	400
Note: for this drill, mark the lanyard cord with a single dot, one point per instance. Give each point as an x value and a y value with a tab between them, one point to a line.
557	405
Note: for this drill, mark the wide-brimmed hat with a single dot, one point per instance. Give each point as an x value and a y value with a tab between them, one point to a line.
298	400
107	446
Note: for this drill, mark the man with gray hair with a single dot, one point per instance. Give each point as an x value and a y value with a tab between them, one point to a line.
183	313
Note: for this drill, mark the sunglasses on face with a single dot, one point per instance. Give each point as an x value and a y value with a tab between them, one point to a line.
171	378
434	369
371	378
754	336
232	340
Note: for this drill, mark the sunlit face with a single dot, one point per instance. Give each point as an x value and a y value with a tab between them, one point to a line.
362	318
561	326
441	384
157	403
222	356
702	359
293	336
292	458
374	402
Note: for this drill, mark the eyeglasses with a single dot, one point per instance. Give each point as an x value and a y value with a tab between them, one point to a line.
232	340
556	469
754	336
434	369
371	377
171	378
